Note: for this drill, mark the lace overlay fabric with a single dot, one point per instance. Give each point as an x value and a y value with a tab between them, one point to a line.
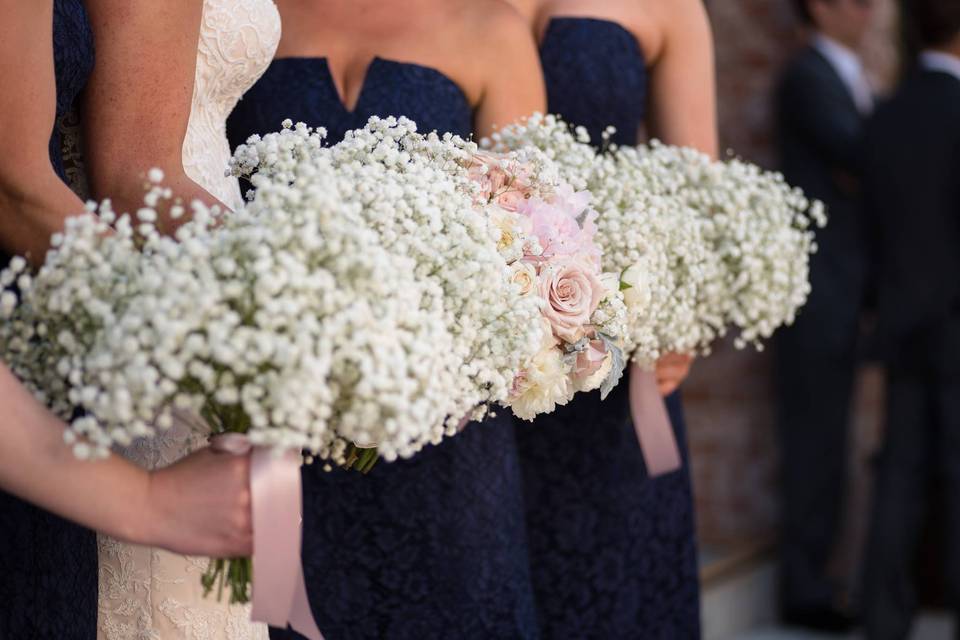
71	148
237	41
149	594
145	593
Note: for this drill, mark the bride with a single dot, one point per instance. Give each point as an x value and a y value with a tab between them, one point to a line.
167	75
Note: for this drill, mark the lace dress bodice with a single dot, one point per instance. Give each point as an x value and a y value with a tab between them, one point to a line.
237	41
146	593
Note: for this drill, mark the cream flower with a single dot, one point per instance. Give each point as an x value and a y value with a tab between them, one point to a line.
524	276
637	290
541	386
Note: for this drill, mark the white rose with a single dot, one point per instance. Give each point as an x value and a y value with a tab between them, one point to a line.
637	293
611	284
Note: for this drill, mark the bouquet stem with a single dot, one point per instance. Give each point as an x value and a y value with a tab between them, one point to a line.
360	459
234	573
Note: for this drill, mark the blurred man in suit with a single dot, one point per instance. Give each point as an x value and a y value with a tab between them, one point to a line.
823	100
912	185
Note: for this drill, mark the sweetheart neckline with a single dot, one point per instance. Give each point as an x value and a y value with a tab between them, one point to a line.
553	21
365	81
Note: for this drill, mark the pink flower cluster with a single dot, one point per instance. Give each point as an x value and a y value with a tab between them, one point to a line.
547	235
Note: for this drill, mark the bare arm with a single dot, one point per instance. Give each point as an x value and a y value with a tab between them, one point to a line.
683	107
138	100
514	88
34	202
198	506
165	508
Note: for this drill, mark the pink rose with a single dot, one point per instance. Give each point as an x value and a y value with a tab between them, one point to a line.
572	290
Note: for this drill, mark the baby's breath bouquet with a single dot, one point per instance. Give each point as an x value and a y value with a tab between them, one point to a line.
700	245
284	320
287	321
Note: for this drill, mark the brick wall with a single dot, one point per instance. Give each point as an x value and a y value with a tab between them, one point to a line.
729	395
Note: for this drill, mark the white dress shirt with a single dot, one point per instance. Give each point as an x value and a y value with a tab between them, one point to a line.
940	61
848	66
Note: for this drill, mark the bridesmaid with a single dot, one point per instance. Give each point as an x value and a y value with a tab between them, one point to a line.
48	565
432	547
612	550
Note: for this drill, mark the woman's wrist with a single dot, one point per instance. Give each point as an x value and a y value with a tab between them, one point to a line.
156	514
141	523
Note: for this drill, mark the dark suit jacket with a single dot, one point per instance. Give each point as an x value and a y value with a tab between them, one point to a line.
819	136
912	184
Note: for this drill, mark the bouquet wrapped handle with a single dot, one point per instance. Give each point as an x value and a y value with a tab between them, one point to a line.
279	589
652	424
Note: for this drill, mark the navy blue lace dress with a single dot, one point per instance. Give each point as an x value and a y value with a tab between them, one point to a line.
48	566
612	551
432	547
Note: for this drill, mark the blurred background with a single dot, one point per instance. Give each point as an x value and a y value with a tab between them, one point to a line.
730	397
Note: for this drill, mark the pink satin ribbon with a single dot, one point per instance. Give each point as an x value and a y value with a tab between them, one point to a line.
650	419
279	589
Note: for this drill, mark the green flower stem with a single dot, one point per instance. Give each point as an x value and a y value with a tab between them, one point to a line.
236	574
360	459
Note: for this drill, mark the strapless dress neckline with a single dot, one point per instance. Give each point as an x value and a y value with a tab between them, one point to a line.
389	87
558	22
378	65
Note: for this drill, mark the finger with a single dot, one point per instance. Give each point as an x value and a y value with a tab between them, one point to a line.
668	387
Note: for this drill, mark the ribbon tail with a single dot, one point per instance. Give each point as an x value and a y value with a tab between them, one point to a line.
301	617
279	589
652	424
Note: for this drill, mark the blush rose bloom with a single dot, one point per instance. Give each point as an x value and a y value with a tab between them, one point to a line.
572	290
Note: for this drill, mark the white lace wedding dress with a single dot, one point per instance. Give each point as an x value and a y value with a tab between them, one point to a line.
146	593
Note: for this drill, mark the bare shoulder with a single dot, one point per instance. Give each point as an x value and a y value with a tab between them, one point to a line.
657	23
676	17
495	22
